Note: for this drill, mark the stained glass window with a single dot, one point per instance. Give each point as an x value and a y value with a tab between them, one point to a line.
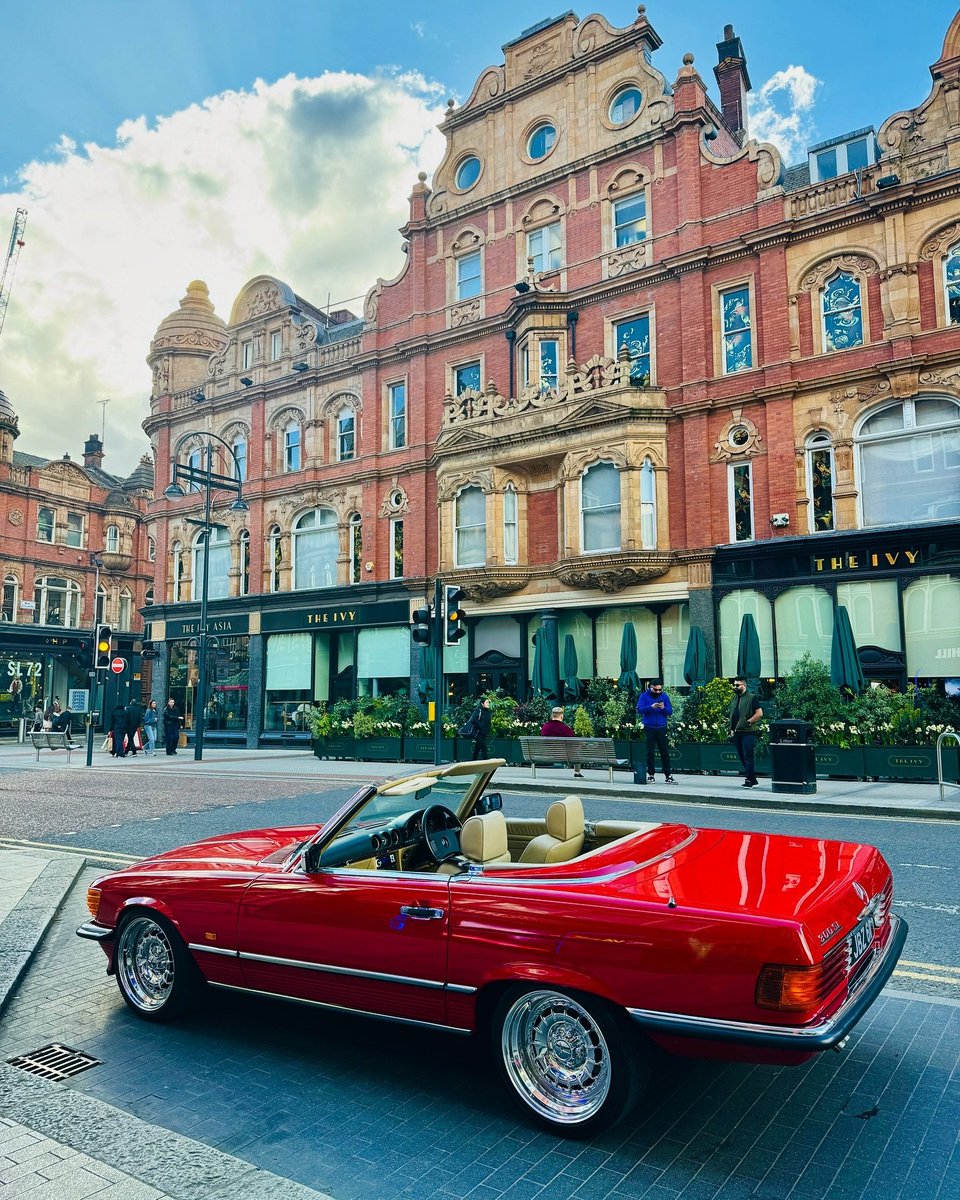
820	481
635	335
356	546
741	502
466	378
396	536
951	271
737	330
275	557
842	315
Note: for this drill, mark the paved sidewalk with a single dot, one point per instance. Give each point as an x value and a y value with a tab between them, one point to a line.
57	1144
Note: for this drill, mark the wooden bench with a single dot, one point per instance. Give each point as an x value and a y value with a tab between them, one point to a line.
570	751
49	740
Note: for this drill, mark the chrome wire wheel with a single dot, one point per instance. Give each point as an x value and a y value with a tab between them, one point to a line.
146	964
556	1057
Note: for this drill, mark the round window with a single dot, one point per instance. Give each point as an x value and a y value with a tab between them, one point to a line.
541	141
396	499
468	172
626	104
739	435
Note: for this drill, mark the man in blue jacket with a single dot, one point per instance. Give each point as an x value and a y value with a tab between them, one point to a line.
654	708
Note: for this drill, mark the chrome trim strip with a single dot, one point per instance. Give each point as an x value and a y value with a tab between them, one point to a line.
213	950
797	1037
360	1012
461	989
355	972
94	932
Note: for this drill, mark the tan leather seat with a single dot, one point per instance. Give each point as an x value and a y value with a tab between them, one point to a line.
564	837
483	839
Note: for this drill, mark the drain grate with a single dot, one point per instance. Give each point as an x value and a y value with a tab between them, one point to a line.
55	1061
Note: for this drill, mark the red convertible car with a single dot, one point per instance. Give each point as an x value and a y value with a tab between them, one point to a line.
572	943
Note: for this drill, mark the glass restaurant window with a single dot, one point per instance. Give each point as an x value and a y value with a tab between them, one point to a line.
219	564
600	508
287	695
316	545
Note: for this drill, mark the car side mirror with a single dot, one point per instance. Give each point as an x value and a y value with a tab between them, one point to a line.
311	859
489	802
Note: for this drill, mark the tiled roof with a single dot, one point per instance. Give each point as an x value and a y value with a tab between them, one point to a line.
796	177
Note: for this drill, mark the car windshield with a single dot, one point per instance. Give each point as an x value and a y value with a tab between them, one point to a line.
408	795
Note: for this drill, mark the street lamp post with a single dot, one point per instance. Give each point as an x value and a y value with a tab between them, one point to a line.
210	481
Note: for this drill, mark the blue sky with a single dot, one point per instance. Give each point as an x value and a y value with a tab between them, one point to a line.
148	154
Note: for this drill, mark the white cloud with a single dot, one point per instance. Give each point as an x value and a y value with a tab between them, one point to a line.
305	179
781	111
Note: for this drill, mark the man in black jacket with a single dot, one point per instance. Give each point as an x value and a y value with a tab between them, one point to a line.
745	712
134	715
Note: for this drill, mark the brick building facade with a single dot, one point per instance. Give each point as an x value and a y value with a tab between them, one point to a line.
634	371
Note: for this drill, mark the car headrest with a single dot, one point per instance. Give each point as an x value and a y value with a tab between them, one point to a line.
565	818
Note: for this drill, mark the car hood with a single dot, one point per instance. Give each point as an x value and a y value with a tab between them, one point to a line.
253	850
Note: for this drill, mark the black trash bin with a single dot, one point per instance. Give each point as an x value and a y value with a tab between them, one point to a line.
793	758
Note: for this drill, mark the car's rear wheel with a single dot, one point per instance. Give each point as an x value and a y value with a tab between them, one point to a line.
157	977
569	1058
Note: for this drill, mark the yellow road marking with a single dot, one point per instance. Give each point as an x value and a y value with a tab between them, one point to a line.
905	962
929	978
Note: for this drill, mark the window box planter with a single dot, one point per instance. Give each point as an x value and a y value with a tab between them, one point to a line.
379	749
901	762
831	760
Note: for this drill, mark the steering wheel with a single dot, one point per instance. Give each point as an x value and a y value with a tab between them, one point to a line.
441	832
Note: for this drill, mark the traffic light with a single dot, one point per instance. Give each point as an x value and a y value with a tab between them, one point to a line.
454	616
422	625
103	651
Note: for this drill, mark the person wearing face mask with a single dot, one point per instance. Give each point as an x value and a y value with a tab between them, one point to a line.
745	712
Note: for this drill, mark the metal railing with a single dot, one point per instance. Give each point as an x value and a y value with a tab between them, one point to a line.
940	741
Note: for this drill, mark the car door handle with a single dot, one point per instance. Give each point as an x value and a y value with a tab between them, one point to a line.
420	912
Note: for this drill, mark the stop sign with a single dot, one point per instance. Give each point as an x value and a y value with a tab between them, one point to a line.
118	666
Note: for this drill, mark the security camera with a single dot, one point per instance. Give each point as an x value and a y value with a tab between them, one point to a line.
780	520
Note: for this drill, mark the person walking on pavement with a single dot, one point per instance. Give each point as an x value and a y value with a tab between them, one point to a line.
745	712
655	708
118	731
134	715
171	726
151	722
557	727
479	722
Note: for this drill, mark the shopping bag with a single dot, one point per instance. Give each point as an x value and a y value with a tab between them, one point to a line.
108	743
182	740
137	740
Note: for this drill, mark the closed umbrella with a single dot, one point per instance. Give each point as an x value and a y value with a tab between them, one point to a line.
695	667
550	646
571	681
536	678
748	652
428	666
845	668
629	679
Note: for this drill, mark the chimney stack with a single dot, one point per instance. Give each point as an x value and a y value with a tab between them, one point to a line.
93	452
734	83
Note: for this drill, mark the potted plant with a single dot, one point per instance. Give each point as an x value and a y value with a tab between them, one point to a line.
339	741
418	742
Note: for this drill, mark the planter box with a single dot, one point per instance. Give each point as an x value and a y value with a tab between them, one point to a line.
506	748
831	760
950	755
685	757
379	749
336	747
720	759
901	762
418	749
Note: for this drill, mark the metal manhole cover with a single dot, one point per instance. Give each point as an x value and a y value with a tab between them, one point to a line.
54	1061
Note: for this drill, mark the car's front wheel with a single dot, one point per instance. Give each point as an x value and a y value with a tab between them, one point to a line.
157	977
569	1058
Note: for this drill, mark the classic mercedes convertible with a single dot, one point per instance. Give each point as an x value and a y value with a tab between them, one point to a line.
572	943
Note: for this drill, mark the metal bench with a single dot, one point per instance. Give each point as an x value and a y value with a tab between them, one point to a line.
50	740
570	751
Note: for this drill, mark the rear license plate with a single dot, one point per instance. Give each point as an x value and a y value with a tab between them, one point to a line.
861	940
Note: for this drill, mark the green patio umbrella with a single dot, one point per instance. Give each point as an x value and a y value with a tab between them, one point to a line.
571	681
629	679
536	677
845	668
546	666
428	665
748	652
696	669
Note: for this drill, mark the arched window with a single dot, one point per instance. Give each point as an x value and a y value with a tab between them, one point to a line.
219	585
951	285
11	598
239	458
176	565
648	506
195	463
151	549
842	313
316	545
126	610
275	557
346	435
470	548
291	447
909	462
147	599
820	481
112	539
57	602
244	562
101	603
511	523
356	547
600	508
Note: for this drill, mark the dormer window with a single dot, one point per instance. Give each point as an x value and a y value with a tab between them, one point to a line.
853	152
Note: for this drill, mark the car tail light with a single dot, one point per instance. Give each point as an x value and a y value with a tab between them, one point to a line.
791	989
93	901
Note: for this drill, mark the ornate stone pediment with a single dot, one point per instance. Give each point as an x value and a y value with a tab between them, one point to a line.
489	583
613	572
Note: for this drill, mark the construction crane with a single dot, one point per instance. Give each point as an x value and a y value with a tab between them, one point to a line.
10	262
